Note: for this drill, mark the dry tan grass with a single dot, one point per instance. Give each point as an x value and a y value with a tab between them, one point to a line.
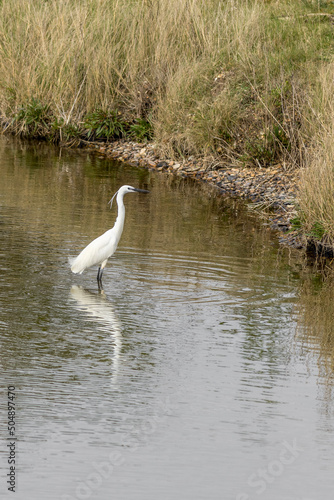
83	55
248	81
317	178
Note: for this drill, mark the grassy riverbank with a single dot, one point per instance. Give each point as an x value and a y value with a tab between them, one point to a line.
247	83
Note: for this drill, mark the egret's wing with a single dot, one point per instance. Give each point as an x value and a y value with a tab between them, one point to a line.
96	252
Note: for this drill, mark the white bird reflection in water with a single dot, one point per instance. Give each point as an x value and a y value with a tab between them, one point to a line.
98	306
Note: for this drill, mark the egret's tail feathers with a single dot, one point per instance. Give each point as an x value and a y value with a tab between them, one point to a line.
75	268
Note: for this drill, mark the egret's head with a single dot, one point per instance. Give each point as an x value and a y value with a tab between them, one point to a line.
126	189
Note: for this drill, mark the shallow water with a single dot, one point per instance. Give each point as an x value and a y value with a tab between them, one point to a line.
204	370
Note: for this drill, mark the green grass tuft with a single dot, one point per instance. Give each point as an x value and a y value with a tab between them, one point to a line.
102	124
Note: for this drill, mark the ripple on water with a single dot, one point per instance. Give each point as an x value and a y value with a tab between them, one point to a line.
185	365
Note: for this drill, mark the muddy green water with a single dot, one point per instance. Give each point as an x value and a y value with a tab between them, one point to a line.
204	370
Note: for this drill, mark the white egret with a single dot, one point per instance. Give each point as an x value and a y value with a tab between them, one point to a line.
103	247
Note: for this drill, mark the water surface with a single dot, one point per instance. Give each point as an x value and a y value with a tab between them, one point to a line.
203	370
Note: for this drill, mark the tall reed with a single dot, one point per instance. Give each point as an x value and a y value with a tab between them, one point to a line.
317	178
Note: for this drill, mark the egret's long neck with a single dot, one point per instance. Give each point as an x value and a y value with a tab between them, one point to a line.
119	224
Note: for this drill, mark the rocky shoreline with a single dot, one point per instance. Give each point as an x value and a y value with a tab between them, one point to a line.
272	191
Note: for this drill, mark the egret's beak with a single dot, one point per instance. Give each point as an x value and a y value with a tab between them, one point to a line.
141	190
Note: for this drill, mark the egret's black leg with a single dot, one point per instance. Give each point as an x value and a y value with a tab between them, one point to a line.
99	278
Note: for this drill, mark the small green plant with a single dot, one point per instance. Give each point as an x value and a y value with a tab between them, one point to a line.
259	152
317	231
56	128
278	135
71	131
102	124
141	130
64	132
33	118
296	224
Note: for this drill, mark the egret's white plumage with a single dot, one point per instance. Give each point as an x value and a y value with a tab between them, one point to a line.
103	247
